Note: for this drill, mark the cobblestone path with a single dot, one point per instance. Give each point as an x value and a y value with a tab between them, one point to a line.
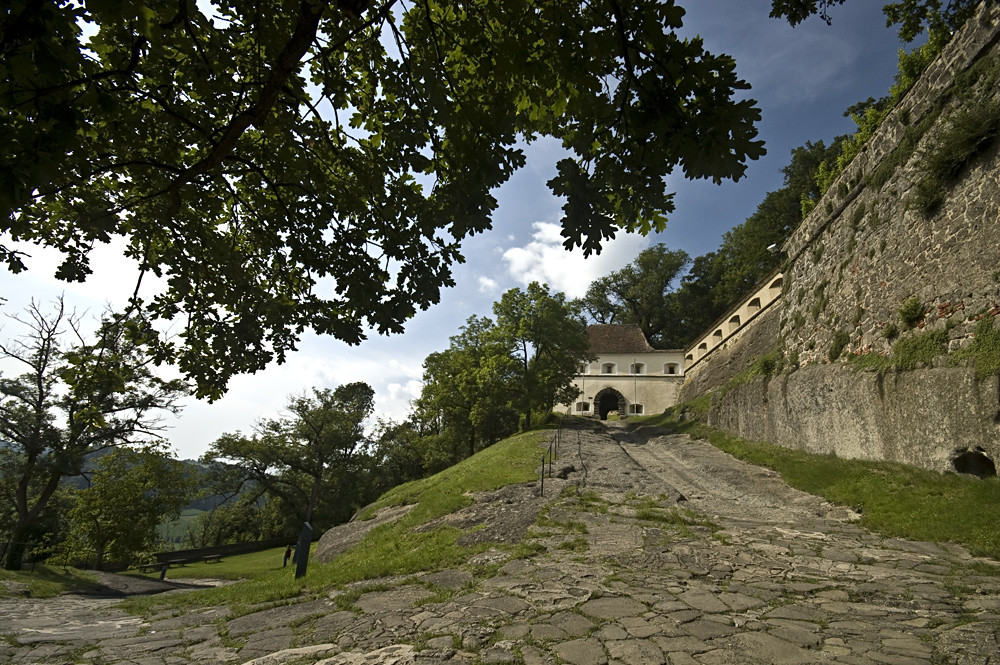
657	549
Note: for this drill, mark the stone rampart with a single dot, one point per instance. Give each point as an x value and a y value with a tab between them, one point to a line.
871	245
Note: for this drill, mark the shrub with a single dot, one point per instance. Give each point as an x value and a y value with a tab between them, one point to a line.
840	341
968	135
911	312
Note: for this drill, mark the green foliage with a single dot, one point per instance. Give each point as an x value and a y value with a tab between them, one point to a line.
243	518
318	451
837	345
909	352
985	348
869	115
968	134
495	375
70	402
547	339
202	141
911	311
916	350
890	332
640	293
117	517
764	366
465	399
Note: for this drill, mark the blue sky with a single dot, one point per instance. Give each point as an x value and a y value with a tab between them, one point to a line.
803	78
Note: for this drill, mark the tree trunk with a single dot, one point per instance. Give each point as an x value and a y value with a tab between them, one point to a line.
15	551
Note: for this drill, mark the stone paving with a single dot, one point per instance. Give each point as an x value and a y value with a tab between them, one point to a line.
657	549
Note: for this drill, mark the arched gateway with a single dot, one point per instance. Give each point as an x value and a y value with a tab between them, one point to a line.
609	400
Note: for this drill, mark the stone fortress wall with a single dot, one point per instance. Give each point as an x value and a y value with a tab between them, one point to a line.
869	247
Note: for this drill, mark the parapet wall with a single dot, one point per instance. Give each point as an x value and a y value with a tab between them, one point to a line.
868	247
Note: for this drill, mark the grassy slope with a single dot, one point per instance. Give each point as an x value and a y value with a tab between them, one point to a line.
894	499
390	549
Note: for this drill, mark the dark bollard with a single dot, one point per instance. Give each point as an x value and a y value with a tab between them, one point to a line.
302	550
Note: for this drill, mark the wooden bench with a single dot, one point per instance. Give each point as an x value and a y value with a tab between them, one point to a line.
212	558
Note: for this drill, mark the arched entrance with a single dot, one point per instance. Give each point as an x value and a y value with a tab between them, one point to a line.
609	400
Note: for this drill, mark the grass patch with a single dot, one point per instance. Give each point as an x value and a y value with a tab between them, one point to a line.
396	548
578	544
768	364
583	500
241	567
48	581
894	499
908	352
984	350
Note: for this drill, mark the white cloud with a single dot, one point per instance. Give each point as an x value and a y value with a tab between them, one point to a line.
545	260
488	285
320	363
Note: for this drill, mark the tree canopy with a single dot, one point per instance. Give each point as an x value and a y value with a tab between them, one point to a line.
640	293
72	400
496	372
130	493
912	16
317	165
285	166
317	452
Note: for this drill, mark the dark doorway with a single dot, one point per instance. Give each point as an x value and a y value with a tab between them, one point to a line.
974	462
609	400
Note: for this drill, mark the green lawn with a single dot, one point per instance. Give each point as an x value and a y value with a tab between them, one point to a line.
238	567
48	581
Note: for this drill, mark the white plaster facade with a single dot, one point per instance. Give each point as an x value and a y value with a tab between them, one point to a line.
629	376
733	322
